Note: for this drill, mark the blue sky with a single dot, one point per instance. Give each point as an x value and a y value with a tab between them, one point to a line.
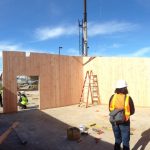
115	27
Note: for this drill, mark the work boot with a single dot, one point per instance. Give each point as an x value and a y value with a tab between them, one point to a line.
24	107
126	148
117	147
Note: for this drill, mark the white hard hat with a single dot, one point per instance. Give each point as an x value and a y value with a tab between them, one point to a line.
23	92
121	84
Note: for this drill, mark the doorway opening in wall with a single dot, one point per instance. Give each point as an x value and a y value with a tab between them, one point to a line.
28	92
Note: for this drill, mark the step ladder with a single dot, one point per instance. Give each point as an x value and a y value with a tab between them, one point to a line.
90	90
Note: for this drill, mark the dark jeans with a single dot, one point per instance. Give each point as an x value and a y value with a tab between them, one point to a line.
1	103
122	135
22	106
1	100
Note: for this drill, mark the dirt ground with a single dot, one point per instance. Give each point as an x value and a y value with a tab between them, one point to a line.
47	129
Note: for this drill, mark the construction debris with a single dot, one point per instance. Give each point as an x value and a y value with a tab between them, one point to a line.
98	131
73	133
83	129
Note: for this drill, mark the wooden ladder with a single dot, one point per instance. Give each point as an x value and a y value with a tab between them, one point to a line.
90	88
94	89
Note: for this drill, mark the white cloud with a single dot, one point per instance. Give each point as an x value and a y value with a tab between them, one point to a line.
141	52
112	46
94	29
109	28
115	45
8	47
49	33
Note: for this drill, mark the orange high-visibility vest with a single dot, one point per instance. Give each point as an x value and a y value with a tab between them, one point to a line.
118	102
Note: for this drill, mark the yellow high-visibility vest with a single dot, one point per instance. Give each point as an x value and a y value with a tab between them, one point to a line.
126	105
24	100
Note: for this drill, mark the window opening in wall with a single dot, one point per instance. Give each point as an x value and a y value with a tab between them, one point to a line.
28	95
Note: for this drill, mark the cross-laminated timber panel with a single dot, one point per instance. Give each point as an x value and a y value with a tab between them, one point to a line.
60	78
136	71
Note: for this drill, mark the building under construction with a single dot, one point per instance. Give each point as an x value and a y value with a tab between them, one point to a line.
61	80
64	84
61	77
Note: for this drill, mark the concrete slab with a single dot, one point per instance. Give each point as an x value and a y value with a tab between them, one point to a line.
47	129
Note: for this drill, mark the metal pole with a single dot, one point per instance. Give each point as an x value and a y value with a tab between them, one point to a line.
85	53
59	49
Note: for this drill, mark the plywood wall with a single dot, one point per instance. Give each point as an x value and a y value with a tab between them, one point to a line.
60	77
136	71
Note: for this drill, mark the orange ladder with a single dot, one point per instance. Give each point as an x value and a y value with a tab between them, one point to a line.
94	89
90	87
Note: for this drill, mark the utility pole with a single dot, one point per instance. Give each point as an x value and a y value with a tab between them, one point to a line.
85	49
83	44
80	24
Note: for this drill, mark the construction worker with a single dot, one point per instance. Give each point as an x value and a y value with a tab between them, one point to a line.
1	99
121	100
23	100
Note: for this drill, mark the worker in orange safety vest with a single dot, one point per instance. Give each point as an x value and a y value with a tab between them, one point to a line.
121	100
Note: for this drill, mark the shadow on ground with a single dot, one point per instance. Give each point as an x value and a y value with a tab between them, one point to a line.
44	132
143	141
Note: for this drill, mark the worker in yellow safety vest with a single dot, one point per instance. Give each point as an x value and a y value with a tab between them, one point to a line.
121	100
23	100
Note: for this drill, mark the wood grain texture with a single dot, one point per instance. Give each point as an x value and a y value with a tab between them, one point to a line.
60	78
136	71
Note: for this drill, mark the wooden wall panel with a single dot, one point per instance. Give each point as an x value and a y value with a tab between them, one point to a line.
11	67
134	70
76	79
61	77
55	88
59	81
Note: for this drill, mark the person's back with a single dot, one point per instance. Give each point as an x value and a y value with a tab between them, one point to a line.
119	103
23	101
121	100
